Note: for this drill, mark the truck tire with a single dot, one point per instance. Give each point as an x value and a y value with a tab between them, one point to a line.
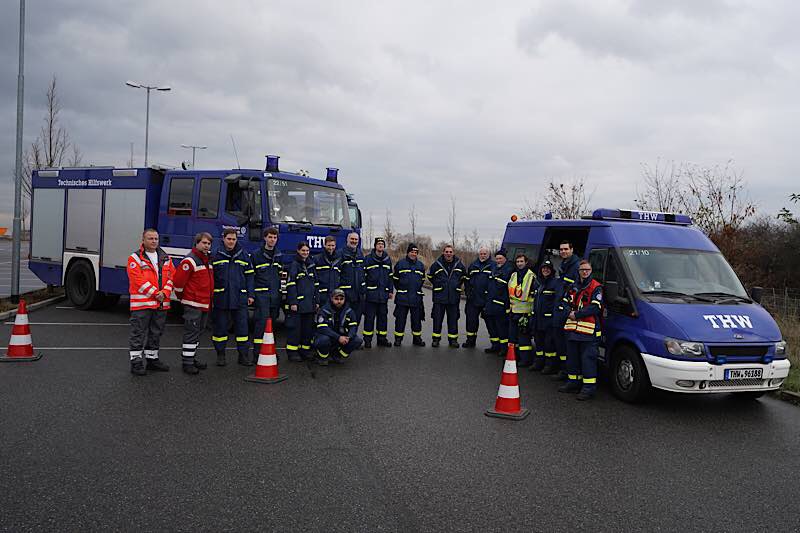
80	287
628	375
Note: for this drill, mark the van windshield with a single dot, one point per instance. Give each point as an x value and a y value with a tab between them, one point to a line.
292	201
683	272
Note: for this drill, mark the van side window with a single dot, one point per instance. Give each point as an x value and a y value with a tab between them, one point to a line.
530	250
597	258
208	205
180	196
233	199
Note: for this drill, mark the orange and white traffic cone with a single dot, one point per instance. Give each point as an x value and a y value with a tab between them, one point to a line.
508	402
20	346
267	366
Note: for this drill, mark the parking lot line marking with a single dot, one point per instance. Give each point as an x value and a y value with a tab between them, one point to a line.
64	307
125	348
94	324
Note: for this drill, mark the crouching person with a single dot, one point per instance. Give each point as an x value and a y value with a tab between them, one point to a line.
335	336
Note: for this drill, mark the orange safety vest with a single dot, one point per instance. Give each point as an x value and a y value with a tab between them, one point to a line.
587	325
144	281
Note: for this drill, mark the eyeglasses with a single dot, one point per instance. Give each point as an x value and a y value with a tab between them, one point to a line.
584	270
563	249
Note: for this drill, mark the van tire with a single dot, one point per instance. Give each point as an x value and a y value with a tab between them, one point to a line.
628	375
80	286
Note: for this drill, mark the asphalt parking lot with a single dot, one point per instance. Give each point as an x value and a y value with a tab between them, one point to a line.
27	280
396	440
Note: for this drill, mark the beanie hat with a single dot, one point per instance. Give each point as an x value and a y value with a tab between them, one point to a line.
411	247
377	240
501	251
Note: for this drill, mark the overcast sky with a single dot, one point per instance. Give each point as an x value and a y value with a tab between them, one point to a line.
418	101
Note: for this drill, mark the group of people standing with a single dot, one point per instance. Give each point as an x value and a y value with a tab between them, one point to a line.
553	318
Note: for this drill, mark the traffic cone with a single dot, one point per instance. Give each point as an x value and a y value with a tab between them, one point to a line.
267	366
20	346
508	403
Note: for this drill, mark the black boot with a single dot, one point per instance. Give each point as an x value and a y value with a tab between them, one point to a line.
157	366
453	343
383	341
137	368
321	361
470	343
570	387
435	343
418	341
538	364
220	359
398	341
294	356
561	376
367	343
189	366
550	366
503	351
244	360
494	348
199	364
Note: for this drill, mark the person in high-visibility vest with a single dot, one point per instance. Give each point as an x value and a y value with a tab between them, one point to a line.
150	282
582	327
520	296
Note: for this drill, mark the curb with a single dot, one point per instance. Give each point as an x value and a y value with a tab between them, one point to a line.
788	396
32	307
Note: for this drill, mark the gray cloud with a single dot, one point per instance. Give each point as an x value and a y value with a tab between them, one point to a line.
425	100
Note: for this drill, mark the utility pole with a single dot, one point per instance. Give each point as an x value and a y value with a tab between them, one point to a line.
194	148
17	226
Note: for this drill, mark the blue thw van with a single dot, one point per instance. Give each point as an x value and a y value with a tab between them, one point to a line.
676	317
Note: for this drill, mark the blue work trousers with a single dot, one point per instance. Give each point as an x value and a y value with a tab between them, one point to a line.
222	325
376	319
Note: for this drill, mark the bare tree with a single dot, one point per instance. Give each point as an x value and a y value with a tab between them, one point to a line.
562	200
51	146
663	187
370	230
388	231
451	221
786	215
413	218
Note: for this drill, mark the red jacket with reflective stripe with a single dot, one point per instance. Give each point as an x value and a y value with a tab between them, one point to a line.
146	280
194	280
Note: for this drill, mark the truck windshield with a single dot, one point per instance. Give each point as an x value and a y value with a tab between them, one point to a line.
682	272
291	201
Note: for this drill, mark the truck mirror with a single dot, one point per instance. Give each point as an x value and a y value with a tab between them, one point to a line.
232	178
756	293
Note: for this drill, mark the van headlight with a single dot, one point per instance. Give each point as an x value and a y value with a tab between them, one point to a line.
679	347
780	348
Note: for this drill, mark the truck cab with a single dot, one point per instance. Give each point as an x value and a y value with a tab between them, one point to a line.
676	317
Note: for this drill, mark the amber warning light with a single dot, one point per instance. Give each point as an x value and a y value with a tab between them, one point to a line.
514	218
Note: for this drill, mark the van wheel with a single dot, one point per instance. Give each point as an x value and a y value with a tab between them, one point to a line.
629	379
80	286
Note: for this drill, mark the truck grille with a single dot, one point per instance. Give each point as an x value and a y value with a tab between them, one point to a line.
730	383
739	350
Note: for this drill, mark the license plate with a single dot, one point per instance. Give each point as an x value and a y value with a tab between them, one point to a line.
743	373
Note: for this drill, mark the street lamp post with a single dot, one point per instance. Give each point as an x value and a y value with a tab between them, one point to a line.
147	113
194	148
16	248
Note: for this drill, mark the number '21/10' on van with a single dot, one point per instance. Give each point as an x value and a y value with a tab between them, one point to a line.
676	316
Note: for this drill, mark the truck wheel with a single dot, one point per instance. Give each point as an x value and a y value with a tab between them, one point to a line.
629	379
80	286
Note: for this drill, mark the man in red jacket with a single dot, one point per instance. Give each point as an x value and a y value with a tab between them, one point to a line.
194	285
150	273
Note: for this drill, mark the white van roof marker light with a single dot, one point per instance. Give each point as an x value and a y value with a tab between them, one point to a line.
641	216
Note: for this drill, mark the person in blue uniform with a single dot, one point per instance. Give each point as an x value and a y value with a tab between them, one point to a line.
379	290
544	302
351	278
233	293
496	311
568	274
327	265
408	276
301	298
476	285
335	336
446	274
267	263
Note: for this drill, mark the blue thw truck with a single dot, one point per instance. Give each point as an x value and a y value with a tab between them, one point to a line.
676	316
85	222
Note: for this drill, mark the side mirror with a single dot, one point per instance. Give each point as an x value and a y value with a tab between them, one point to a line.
756	293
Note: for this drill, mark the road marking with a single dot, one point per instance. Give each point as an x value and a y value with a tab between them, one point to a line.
126	324
177	348
65	307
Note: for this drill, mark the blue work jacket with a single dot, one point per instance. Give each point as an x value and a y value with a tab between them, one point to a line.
447	279
268	268
378	273
233	278
476	283
408	278
301	285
